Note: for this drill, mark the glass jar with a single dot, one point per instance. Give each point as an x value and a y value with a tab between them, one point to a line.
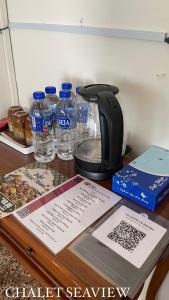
28	132
19	119
11	111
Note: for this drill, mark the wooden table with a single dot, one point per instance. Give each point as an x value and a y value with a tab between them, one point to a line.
62	270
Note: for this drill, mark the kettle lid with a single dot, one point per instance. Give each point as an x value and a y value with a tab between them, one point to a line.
93	89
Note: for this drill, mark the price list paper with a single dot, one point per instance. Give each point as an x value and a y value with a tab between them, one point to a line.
62	214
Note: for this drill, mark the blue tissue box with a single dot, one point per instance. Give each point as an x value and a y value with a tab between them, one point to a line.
146	179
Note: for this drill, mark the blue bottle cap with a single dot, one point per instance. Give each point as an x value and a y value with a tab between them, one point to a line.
50	90
64	94
66	86
38	95
77	89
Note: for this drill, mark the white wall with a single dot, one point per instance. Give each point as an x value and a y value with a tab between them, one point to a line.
139	68
151	14
8	90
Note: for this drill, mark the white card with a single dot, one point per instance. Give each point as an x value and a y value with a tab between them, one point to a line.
59	216
131	235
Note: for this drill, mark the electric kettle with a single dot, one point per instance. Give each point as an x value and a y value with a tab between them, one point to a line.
98	151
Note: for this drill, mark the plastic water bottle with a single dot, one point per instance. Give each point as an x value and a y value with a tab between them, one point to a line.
66	125
83	111
52	100
42	132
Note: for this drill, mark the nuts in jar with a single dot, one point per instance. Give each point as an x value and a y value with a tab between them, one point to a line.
19	119
11	111
28	132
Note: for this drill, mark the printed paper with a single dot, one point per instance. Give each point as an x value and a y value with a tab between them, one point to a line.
130	235
26	184
61	215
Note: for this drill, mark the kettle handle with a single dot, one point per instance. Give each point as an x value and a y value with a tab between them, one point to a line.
111	127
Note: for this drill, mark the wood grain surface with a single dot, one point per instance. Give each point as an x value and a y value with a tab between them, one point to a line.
64	269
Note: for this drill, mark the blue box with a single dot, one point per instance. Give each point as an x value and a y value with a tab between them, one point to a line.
146	179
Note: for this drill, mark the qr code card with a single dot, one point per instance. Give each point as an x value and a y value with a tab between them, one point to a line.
131	235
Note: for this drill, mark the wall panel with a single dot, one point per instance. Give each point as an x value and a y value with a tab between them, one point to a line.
139	68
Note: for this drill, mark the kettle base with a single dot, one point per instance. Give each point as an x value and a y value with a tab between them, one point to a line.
95	176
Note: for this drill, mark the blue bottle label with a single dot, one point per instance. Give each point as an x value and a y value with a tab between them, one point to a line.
63	122
54	116
40	124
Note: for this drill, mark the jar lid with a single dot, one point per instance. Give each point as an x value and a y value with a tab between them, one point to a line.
20	114
15	107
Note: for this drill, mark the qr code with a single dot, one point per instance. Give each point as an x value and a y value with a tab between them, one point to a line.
126	236
23	212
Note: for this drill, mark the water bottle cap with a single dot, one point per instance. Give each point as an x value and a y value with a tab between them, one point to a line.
77	89
50	90
38	95
66	86
64	94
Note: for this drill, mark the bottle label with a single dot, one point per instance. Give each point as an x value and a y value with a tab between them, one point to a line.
40	124
63	122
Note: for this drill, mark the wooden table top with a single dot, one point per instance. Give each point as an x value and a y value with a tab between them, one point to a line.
64	269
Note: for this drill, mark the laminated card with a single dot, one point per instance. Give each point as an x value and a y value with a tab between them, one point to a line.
61	215
26	184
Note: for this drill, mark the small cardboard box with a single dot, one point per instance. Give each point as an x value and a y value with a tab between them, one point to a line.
146	179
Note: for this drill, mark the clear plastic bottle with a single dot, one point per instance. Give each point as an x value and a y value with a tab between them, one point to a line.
52	100
66	125
42	132
83	112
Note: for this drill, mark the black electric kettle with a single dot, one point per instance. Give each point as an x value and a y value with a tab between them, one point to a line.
98	150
